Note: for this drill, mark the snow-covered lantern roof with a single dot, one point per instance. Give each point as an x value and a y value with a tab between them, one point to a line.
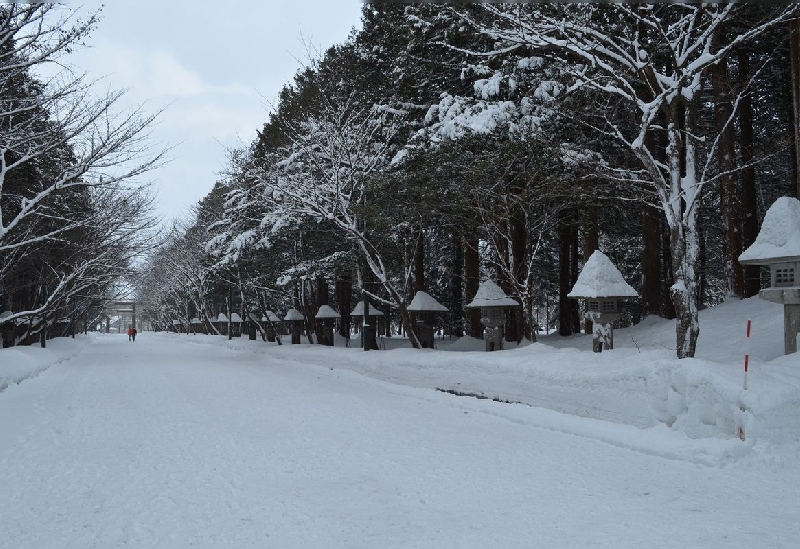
489	294
222	318
424	303
293	315
493	303
235	317
270	316
359	310
326	312
176	322
778	244
601	284
196	321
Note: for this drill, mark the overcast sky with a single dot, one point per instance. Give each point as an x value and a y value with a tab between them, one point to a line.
217	66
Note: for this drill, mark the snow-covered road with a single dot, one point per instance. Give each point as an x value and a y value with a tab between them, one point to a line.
164	444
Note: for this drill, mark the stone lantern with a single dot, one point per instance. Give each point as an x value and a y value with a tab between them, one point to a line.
602	286
177	327
425	310
374	312
252	326
236	325
221	324
269	320
197	326
778	245
295	319
494	304
8	329
328	317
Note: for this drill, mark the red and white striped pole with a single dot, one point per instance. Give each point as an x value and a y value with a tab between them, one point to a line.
747	356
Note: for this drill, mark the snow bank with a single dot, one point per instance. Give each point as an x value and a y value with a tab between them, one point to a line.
24	362
639	383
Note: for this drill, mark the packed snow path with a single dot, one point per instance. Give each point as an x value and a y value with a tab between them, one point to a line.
161	443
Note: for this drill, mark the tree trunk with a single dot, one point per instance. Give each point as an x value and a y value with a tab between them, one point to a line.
651	260
457	287
591	243
518	266
729	194
471	283
752	281
344	292
575	309
419	262
794	56
682	215
564	278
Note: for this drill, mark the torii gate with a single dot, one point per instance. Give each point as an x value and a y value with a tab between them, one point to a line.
123	309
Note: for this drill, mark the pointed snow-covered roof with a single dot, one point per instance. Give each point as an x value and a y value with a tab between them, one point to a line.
293	314
271	317
778	240
195	320
601	278
235	317
489	294
359	310
222	318
424	303
326	311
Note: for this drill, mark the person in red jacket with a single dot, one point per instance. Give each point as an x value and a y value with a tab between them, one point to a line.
131	334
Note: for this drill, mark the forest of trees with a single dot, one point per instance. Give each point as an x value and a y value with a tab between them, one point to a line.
444	144
438	146
71	221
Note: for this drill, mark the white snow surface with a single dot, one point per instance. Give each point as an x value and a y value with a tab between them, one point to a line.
601	278
489	294
182	440
779	237
423	302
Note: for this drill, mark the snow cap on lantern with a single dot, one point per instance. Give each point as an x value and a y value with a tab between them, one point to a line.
424	303
293	315
778	244
359	310
326	312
